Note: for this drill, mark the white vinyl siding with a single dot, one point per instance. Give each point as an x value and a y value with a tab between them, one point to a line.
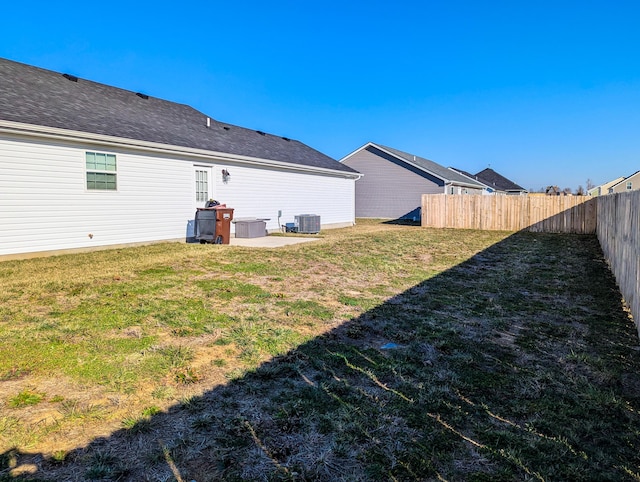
262	192
45	204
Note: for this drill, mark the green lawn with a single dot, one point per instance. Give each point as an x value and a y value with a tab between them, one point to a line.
379	352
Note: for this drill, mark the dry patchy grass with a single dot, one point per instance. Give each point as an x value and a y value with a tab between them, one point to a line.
380	352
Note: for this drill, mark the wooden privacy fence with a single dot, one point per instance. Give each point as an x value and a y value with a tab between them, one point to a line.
615	218
551	214
619	236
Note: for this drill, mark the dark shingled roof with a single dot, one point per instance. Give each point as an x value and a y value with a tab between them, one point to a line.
492	179
36	96
442	172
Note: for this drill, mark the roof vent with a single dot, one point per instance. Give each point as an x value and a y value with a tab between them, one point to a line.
208	122
261	133
226	128
142	96
287	139
72	78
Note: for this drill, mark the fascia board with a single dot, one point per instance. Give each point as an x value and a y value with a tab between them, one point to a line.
480	183
357	150
71	135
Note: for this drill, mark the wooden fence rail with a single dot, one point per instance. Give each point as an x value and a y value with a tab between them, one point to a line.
615	218
552	214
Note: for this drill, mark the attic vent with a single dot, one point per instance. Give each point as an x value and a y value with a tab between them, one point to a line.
287	139
142	96
72	78
226	128
261	133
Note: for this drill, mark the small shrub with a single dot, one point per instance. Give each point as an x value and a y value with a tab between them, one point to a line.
59	456
136	425
151	411
25	398
187	376
162	393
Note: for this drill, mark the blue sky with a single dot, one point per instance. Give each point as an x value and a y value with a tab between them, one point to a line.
542	92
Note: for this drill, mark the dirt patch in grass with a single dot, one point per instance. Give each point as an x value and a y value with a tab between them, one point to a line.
381	352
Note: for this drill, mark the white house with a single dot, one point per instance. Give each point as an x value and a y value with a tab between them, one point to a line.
86	165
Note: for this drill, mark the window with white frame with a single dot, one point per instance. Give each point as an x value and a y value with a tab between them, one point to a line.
202	186
629	186
101	171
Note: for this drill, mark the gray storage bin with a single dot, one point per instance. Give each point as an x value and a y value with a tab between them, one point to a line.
250	229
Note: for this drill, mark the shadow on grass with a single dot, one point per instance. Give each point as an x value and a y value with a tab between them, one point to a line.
517	364
402	222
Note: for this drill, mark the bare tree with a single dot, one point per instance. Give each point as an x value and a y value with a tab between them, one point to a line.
580	191
590	185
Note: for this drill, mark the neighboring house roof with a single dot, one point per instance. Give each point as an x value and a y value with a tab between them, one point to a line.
464	173
473	176
604	188
35	96
552	191
492	179
441	172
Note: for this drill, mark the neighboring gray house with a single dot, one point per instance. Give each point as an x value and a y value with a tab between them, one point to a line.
85	165
394	181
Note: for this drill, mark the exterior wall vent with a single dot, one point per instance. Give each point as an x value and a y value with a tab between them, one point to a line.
70	77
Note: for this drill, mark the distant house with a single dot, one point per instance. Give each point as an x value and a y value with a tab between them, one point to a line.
553	191
499	183
394	181
86	165
493	182
556	191
603	189
485	189
631	183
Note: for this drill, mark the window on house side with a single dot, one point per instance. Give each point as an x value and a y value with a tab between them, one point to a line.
202	186
101	171
629	186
